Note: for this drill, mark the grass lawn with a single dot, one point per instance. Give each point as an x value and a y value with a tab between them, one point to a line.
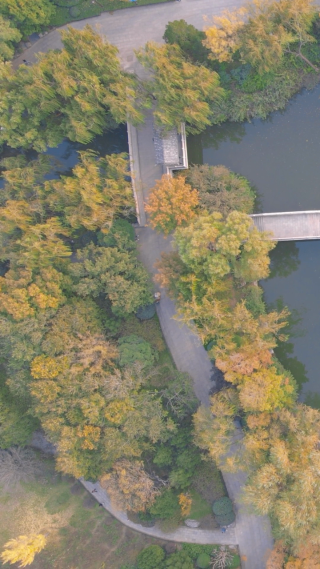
70	10
200	507
80	534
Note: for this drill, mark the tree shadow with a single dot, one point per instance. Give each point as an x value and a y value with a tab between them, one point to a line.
284	259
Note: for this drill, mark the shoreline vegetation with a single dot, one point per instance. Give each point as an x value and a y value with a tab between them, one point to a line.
75	359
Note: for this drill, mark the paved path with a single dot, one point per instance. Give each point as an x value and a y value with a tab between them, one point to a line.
130	29
289	225
253	533
182	534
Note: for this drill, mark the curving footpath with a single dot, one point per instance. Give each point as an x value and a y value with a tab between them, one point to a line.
130	29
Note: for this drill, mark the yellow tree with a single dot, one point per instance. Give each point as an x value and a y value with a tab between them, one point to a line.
95	194
129	486
183	90
172	202
23	549
223	37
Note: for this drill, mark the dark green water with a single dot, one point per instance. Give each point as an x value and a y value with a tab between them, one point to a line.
281	158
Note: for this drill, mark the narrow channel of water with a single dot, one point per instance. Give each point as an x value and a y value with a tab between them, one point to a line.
281	158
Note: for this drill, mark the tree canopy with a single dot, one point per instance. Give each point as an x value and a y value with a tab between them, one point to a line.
28	15
76	92
183	90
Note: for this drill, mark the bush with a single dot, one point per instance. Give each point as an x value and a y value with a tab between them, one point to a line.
225	519
203	561
179	560
222	506
165	506
74	11
146	312
195	549
150	557
135	349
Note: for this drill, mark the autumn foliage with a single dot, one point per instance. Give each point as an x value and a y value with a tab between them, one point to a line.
129	486
172	202
23	549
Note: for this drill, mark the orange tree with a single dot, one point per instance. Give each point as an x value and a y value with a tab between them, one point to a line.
172	202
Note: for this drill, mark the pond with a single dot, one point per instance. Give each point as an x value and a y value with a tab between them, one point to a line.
281	159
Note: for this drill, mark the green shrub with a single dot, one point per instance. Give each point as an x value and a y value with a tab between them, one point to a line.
203	561
146	312
166	505
150	557
135	349
195	549
120	235
163	456
179	560
74	11
254	300
222	506
225	519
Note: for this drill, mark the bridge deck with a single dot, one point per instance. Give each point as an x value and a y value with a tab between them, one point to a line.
291	225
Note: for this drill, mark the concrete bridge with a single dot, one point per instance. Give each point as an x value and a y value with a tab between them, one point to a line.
289	225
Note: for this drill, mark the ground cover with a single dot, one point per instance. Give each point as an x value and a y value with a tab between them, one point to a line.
80	534
70	10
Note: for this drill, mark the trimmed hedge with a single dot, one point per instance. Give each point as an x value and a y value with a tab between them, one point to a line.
225	519
222	506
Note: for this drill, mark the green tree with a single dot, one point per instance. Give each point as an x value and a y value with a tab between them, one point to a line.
28	15
9	35
151	557
76	93
189	39
183	91
221	190
114	273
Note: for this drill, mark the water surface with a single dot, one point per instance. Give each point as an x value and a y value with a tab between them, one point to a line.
281	158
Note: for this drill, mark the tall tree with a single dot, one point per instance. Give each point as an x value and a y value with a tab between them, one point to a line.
9	35
171	203
183	91
220	190
28	15
189	39
75	93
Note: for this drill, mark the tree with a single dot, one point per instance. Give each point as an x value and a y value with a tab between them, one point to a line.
276	28
115	274
133	349
129	486
214	248
28	15
189	39
23	549
151	557
263	32
17	465
183	91
220	190
9	35
223	37
77	93
171	203
96	193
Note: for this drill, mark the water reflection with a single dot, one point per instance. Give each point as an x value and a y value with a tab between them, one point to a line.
284	259
280	157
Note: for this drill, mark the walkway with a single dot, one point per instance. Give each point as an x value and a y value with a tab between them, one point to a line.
290	225
130	29
253	533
